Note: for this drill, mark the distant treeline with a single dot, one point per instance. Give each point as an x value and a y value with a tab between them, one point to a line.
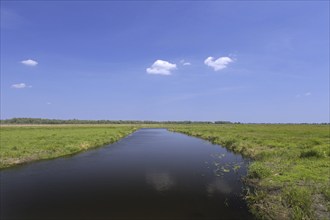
76	121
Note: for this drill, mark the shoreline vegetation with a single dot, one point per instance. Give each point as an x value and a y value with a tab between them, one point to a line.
21	144
288	178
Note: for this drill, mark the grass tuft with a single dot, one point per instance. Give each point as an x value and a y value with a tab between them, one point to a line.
258	170
300	201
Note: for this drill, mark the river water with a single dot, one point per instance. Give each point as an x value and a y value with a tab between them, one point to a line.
151	174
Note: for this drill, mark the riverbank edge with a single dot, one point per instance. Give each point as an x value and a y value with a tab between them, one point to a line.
24	161
263	202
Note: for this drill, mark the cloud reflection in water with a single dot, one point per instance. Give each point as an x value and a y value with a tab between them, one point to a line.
160	181
218	186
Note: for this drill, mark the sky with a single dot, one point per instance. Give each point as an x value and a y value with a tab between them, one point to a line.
239	61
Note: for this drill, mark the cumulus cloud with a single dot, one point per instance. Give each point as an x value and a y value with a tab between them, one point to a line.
20	86
161	67
29	62
218	64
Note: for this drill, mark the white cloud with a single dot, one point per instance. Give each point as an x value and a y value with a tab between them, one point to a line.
184	63
20	86
161	67
48	103
218	64
29	62
305	94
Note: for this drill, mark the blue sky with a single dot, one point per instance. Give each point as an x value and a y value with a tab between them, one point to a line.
236	61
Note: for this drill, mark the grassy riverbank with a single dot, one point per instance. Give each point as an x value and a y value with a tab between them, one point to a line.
291	168
22	144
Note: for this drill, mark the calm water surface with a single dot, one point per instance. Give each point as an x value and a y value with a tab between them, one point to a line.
151	174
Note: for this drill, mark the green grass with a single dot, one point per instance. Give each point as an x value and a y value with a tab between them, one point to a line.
290	173
21	144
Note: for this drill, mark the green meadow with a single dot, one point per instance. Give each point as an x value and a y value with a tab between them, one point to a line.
288	177
22	144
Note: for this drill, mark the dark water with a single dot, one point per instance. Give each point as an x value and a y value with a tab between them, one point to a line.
151	174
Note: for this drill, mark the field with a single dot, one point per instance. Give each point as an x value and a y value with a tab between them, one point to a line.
288	178
22	144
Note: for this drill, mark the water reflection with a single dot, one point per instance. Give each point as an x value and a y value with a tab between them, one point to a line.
159	180
218	186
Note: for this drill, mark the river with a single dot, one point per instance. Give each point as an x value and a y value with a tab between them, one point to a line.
150	174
